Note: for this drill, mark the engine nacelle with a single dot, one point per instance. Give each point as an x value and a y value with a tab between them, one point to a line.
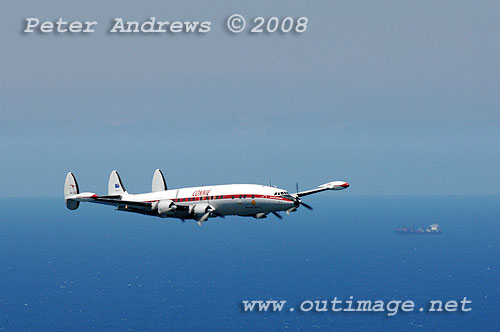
165	206
200	209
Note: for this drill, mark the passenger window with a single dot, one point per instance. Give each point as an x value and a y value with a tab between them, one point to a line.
253	196
232	197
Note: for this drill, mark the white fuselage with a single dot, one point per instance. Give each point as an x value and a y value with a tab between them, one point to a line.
231	199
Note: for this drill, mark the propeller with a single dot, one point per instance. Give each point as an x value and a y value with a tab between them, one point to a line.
209	211
298	202
306	205
277	215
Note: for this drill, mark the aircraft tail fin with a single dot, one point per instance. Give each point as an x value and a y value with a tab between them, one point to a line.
159	183
115	185
71	188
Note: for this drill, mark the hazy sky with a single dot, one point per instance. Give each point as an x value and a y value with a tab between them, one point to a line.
395	97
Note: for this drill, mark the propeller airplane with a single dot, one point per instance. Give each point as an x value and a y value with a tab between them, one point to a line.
198	203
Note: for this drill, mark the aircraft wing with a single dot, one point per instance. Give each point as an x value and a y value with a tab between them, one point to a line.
335	185
309	192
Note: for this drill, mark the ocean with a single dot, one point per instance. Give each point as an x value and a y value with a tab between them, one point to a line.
96	269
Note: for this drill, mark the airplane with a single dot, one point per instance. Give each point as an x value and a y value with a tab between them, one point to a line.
198	203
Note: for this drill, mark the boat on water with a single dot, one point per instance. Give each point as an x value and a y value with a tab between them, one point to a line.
432	229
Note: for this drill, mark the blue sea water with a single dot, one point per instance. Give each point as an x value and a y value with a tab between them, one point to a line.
96	269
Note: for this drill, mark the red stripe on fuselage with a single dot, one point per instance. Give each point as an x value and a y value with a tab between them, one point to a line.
219	197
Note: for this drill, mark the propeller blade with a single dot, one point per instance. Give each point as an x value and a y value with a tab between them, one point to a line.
292	209
277	215
296	187
203	218
306	205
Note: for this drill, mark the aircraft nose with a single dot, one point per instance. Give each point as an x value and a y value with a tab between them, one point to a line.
345	185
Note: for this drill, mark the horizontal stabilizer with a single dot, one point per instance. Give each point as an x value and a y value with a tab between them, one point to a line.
159	183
